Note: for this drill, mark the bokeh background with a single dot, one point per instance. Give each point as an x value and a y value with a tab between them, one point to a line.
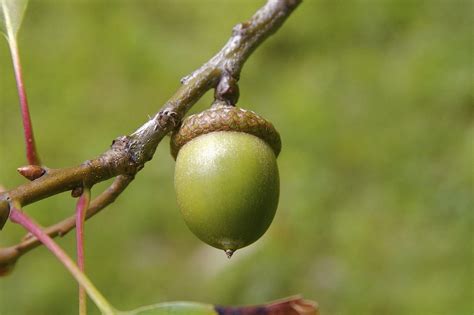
374	102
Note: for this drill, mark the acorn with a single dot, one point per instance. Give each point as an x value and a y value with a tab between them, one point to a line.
226	175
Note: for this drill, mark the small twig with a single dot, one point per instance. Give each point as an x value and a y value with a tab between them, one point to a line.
9	255
81	208
17	216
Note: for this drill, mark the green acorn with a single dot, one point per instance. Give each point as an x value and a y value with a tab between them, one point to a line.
226	175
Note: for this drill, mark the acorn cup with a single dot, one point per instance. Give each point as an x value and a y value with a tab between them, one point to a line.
226	175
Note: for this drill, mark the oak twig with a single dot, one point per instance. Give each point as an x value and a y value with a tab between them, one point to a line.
128	154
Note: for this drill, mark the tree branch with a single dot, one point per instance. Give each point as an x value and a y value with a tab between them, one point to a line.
128	154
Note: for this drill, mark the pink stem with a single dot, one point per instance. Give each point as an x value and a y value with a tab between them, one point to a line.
17	216
31	153
81	208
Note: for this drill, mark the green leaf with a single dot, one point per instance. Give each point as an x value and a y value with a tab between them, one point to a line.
11	16
174	308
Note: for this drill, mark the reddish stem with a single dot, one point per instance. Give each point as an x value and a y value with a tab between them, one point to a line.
81	208
31	153
17	216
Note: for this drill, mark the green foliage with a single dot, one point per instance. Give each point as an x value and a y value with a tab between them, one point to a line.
174	308
374	103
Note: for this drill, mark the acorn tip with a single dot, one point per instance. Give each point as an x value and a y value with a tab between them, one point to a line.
229	253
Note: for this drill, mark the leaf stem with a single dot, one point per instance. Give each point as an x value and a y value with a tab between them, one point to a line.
17	216
81	208
10	254
31	152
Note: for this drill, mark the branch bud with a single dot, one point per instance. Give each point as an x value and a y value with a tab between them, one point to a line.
227	90
31	172
77	192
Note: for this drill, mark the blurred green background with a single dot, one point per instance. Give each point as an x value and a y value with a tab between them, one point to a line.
374	102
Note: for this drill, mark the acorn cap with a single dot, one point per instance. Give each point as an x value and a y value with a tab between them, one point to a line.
225	118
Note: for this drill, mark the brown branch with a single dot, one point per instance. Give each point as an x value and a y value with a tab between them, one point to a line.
128	154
